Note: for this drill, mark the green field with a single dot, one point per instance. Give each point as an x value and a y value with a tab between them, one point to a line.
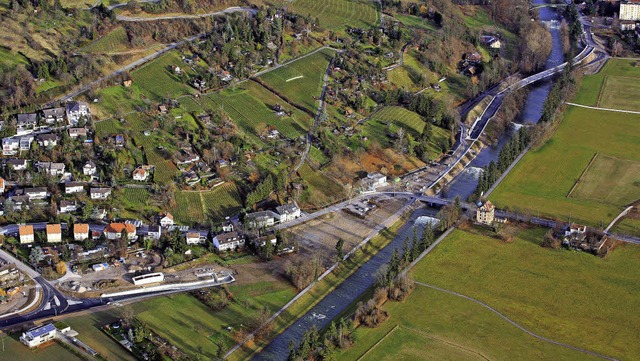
628	226
158	81
198	207
193	327
557	294
250	107
541	181
320	190
12	349
337	14
115	41
610	180
9	60
620	93
90	332
389	119
591	86
301	80
415	22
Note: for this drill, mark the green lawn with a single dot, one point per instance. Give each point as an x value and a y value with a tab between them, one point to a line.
193	327
9	60
301	80
89	327
158	81
542	180
415	22
628	226
337	14
591	86
610	180
198	207
12	349
620	92
320	190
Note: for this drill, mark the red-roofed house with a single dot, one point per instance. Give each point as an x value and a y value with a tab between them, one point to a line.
114	231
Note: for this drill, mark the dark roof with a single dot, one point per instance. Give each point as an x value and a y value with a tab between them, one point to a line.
228	237
27	118
53	112
37	332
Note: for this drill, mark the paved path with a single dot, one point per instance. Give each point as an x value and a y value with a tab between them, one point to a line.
615	220
516	324
603	109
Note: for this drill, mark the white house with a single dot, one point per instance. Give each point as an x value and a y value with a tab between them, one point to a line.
53	115
47	140
73	187
75	111
77	132
25	142
140	174
114	231
26	234
67	206
377	180
89	169
100	193
51	168
26	123
80	231
39	335
228	241
153	232
54	233
262	219
10	146
166	220
575	229
288	212
194	238
33	193
17	164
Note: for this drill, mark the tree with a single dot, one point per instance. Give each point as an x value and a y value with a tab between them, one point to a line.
340	249
61	267
36	255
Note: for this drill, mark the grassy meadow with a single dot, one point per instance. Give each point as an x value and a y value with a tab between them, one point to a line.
543	179
301	80
557	294
157	80
13	349
337	14
198	207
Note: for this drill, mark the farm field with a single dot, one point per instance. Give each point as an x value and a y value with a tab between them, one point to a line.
628	226
541	181
115	41
301	80
250	107
193	327
337	14
527	283
610	180
321	190
389	119
14	350
89	329
157	81
591	86
620	92
198	207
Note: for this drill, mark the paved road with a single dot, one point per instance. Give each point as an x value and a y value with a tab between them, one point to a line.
230	10
603	109
516	324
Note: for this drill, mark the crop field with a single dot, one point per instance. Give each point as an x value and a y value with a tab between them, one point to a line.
115	41
193	327
158	81
541	181
389	119
13	349
527	283
610	180
592	85
338	14
250	107
198	207
321	190
301	80
620	93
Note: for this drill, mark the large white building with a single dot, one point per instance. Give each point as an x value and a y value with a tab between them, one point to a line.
37	336
288	212
228	241
629	14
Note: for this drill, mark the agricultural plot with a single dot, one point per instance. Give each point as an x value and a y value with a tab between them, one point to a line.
609	180
117	101
157	80
250	107
301	80
90	332
592	85
321	190
198	207
115	41
525	282
13	349
338	14
620	93
541	181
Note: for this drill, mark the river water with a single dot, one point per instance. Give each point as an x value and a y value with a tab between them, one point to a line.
463	185
466	182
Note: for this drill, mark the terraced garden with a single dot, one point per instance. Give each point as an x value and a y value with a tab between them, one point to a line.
338	14
115	41
200	207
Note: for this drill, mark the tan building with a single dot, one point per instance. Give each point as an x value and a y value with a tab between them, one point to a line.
54	233
485	213
26	234
80	231
629	14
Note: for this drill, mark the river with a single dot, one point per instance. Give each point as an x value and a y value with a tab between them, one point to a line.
466	182
463	185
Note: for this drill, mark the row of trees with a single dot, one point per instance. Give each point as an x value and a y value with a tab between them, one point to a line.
314	346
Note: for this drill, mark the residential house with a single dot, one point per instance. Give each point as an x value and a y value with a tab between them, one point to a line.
10	146
261	219
485	214
73	187
376	180
54	233
26	123
140	174
166	220
194	238
47	140
80	232
89	169
119	139
67	206
75	111
115	230
99	214
39	335
228	241
53	115
575	229
51	168
151	232
629	14
100	193
25	142
288	212
187	156
33	193
18	201
227	226
26	234
77	132
17	164
2	185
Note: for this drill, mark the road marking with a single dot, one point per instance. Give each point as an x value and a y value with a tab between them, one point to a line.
294	78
